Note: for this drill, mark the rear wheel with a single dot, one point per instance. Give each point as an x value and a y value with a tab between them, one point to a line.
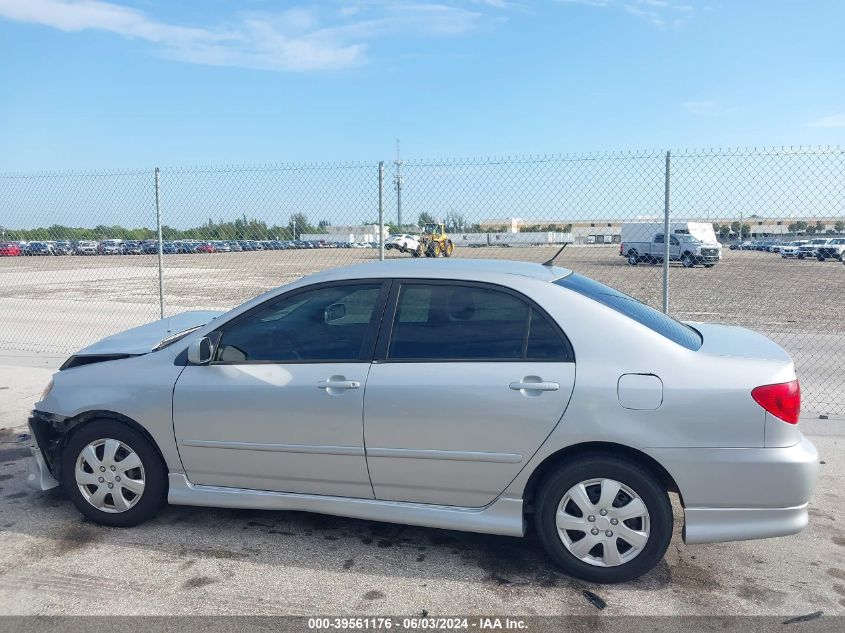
434	249
113	474
450	247
604	518
633	258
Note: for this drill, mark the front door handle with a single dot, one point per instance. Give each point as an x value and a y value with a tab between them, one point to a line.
534	386
338	383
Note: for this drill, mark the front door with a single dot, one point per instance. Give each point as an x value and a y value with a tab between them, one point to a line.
280	407
469	381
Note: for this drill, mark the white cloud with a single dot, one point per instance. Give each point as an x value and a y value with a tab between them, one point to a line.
296	39
834	120
660	13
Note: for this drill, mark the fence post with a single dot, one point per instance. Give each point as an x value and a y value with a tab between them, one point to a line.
666	239
160	250
381	210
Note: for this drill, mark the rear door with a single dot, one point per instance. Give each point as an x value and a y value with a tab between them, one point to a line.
469	380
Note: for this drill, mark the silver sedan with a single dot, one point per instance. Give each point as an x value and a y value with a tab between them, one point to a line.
469	395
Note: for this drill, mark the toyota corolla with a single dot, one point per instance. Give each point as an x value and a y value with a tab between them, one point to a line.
487	396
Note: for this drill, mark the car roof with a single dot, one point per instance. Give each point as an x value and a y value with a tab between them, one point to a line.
443	268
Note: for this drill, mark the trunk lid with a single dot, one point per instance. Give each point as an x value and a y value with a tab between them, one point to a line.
738	342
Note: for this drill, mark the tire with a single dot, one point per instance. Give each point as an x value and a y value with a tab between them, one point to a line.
821	258
152	471
709	265
800	256
450	247
416	252
434	249
687	260
633	258
656	522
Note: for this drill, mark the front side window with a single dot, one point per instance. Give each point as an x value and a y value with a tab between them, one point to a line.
329	323
443	322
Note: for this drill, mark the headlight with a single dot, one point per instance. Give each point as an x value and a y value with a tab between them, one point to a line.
47	390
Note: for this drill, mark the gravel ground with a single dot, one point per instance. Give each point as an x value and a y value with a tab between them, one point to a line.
59	304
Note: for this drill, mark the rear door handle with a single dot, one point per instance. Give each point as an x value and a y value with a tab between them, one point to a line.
534	386
338	384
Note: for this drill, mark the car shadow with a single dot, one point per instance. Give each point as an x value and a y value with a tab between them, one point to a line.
184	535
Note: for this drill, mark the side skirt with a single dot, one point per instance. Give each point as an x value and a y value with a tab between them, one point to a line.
503	516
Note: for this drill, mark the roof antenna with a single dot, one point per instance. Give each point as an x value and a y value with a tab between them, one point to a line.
551	262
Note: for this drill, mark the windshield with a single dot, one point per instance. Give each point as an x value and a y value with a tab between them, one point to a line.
643	314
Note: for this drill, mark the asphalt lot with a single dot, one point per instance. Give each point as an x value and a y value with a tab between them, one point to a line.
55	305
210	561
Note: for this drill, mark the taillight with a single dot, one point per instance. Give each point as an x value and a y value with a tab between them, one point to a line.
782	400
621	248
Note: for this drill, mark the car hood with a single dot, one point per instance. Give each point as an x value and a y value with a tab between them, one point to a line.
738	342
142	339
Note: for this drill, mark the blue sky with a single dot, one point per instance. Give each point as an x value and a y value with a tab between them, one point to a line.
130	83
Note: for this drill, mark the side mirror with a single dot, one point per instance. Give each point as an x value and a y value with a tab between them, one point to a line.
335	311
200	351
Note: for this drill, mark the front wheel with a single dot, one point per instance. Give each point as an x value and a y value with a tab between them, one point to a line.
604	518
450	247
709	265
687	260
113	474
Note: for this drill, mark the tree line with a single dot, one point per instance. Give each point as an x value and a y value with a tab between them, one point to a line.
239	229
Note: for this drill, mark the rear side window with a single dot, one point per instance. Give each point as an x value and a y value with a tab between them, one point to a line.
452	322
641	313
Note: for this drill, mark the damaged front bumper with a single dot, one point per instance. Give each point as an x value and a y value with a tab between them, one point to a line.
46	431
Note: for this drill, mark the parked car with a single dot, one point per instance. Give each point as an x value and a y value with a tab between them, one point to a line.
221	247
112	247
774	247
707	411
742	246
86	247
809	249
133	247
39	248
789	250
63	247
9	249
834	249
206	247
234	246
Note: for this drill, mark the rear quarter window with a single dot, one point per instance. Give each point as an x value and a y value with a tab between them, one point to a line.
643	314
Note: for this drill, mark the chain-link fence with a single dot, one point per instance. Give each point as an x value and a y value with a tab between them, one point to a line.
755	238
